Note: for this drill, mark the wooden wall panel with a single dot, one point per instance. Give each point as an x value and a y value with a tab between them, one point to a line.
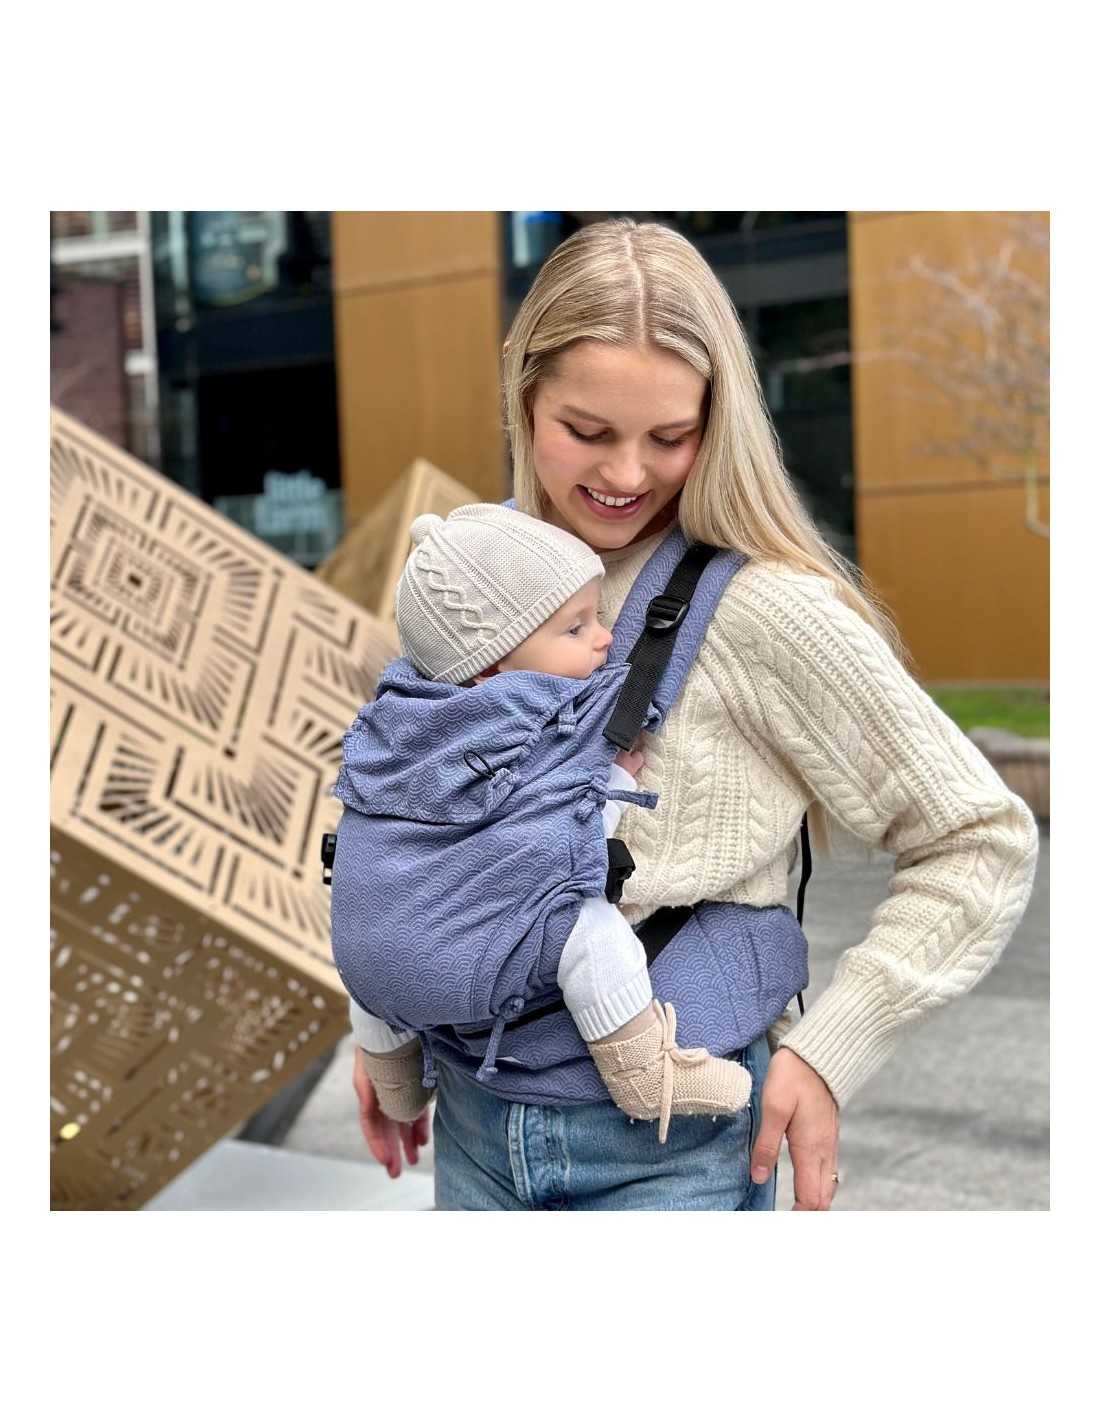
372	249
911	503
968	584
418	334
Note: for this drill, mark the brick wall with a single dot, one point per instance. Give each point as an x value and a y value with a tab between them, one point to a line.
87	354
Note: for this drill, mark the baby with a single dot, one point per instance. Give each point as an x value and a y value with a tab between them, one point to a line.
490	592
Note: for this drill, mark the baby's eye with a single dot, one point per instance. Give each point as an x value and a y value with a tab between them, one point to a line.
577	630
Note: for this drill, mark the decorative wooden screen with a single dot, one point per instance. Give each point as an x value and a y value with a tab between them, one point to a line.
200	688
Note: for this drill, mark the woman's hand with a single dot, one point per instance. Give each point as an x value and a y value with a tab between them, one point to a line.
797	1101
385	1137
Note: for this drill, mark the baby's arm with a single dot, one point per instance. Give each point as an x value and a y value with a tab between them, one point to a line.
603	973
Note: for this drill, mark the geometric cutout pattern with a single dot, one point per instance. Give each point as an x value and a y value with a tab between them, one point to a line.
200	688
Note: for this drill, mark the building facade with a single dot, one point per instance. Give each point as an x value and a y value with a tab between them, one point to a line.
288	367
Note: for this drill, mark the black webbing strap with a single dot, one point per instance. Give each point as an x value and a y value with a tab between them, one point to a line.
660	928
807	870
651	652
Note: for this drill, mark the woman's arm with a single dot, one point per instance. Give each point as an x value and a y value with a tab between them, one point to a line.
824	701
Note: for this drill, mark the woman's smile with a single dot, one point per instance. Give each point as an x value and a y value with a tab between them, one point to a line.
615	507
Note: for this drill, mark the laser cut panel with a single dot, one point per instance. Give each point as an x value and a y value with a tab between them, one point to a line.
367	562
201	685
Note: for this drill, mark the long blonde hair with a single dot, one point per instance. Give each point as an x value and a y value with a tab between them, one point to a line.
632	284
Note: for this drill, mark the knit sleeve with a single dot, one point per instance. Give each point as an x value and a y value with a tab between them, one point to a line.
825	702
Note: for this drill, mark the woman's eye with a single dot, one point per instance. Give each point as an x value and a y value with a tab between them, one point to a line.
591	439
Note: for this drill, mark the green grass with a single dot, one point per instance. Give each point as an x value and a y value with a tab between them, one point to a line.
1025	710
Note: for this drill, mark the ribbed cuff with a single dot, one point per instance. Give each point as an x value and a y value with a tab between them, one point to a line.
614	1011
846	1035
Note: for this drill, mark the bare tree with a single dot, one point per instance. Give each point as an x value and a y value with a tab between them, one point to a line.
981	349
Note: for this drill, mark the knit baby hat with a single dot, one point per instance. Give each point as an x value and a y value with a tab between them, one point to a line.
477	583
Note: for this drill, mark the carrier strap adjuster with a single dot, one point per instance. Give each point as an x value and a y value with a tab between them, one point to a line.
328	857
620	866
665	613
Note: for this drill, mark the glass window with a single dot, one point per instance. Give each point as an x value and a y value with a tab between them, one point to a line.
802	353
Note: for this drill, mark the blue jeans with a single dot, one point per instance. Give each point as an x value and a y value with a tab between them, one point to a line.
492	1154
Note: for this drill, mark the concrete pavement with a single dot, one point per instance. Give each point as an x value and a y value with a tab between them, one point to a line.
959	1117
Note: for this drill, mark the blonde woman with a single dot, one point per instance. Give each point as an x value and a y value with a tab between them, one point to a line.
633	404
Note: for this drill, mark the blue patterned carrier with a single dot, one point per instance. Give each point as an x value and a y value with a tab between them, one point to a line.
471	833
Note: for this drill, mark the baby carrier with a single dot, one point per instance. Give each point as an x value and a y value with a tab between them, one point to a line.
471	833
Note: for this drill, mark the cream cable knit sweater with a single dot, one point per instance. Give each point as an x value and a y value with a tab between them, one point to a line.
794	698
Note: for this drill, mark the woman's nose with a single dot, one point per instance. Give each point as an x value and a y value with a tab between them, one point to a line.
626	474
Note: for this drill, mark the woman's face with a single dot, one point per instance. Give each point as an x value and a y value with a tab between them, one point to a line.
616	423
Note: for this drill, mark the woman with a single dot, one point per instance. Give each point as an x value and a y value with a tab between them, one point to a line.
632	402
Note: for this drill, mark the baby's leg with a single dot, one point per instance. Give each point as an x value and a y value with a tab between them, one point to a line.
651	1078
604	979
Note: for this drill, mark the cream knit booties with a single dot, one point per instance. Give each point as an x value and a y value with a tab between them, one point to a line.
650	1077
396	1078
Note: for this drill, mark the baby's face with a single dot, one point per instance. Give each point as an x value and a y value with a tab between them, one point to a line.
571	643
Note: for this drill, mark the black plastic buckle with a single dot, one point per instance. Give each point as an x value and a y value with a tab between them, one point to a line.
620	866
665	613
328	857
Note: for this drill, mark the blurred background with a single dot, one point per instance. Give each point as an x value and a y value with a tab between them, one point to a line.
287	367
290	368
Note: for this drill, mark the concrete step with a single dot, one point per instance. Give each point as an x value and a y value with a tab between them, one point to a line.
240	1175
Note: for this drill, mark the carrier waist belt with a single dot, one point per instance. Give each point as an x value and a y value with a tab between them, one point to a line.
655	933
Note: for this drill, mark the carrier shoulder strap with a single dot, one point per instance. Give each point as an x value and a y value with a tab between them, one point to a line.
649	680
650	655
662	623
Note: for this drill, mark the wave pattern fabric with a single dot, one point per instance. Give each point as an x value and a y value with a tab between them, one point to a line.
454	892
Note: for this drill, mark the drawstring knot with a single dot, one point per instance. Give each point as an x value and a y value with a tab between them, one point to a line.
567	719
512	1008
590	799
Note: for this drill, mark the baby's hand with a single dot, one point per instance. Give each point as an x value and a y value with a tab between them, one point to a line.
631	761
